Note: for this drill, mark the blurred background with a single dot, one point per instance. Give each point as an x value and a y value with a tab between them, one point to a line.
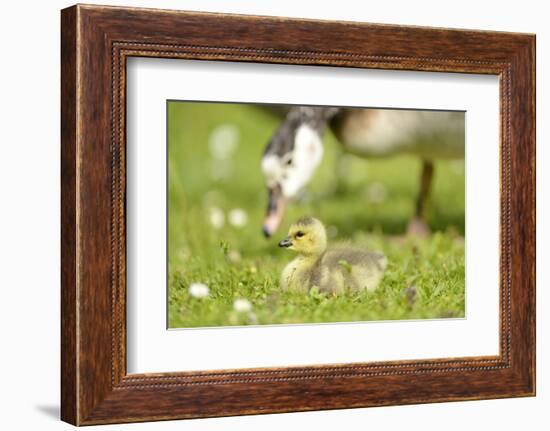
216	205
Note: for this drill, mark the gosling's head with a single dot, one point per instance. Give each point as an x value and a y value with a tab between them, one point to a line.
306	236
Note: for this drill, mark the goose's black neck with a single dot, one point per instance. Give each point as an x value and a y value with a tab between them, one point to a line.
315	117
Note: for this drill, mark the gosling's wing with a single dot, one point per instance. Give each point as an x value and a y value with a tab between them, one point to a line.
339	257
359	269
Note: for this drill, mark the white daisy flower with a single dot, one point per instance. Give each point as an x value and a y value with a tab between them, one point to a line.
238	217
242	305
223	141
199	290
217	217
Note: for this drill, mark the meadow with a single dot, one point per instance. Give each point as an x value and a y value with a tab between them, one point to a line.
222	271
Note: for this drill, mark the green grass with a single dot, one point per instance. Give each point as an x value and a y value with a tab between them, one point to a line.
368	206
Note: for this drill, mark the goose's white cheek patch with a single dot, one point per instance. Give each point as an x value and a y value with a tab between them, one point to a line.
307	154
271	168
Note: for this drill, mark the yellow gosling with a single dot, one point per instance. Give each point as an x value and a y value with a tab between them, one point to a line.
331	270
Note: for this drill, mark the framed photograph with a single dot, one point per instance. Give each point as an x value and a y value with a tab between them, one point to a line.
264	215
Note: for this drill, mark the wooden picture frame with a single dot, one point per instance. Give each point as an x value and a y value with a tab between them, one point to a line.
96	41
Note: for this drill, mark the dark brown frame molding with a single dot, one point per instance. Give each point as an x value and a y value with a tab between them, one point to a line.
95	43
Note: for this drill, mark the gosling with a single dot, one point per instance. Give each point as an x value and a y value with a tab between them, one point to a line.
331	270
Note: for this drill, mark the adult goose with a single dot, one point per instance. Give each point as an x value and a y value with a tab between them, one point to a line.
296	149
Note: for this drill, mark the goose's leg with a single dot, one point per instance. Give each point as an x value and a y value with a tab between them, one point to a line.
417	225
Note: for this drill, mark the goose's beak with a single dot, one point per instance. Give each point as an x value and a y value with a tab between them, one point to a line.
287	242
275	211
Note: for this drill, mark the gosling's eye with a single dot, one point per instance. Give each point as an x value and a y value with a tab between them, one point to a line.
299	234
289	162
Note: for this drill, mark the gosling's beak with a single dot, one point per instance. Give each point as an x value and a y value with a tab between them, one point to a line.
287	242
275	211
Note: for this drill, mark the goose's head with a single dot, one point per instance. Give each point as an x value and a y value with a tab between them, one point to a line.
307	236
291	157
